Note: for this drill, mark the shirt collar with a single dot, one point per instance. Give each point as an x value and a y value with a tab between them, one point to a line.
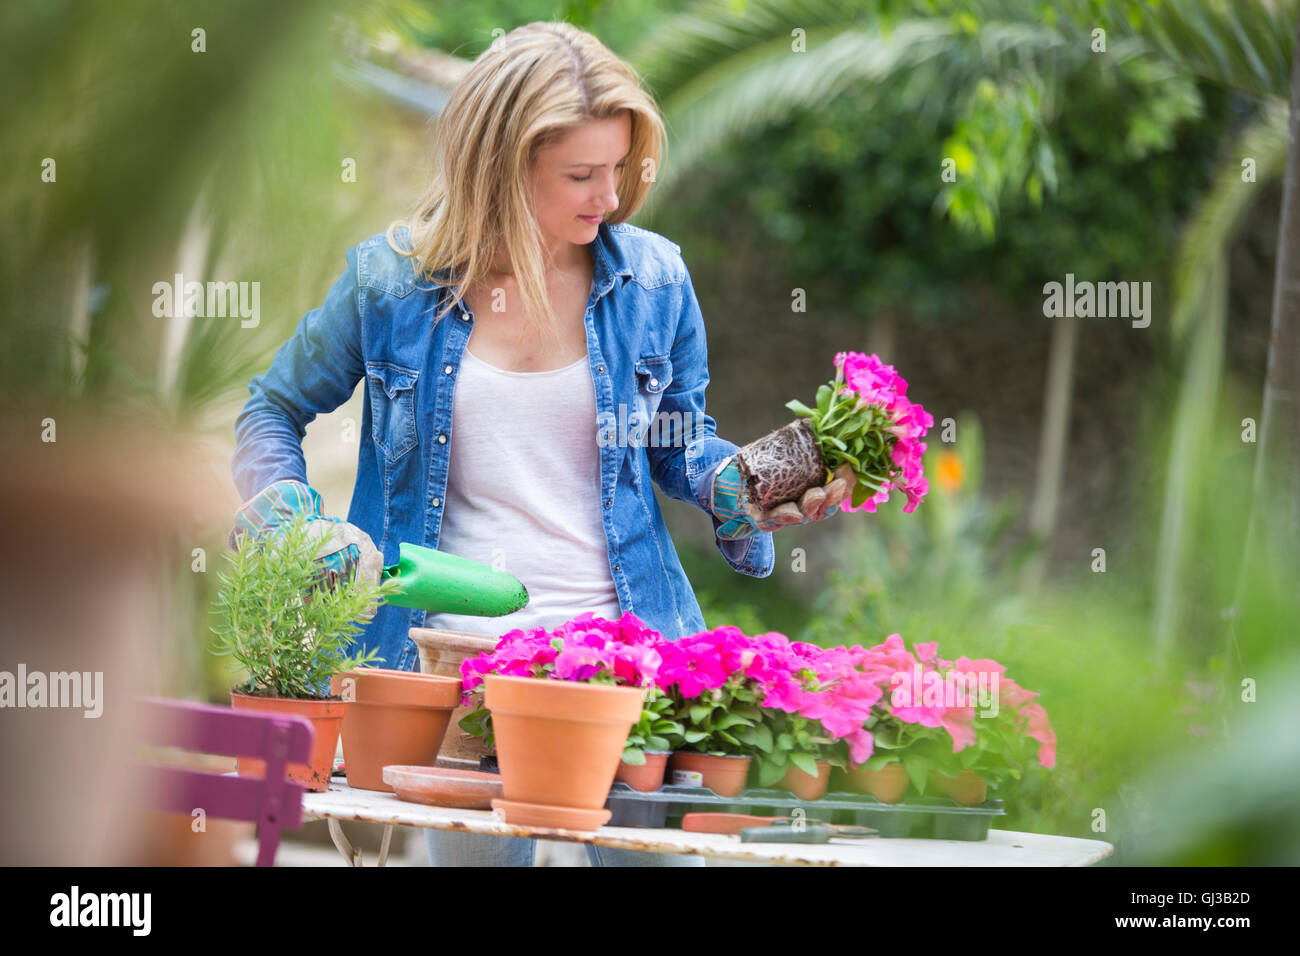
609	261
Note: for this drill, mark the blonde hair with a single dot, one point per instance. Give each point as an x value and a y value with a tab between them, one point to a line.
527	90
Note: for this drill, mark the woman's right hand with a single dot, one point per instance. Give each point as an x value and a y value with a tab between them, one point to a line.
343	550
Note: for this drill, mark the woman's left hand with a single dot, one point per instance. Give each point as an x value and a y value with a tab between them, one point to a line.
740	519
817	503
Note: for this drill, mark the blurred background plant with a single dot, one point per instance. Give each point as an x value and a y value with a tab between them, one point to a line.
808	145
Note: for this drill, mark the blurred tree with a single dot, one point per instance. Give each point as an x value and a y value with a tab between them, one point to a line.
721	75
986	82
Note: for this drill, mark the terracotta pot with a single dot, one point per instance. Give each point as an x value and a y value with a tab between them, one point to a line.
441	653
647	777
888	784
326	718
804	785
395	717
725	776
967	788
559	743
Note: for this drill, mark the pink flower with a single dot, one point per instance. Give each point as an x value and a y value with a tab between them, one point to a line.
879	385
583	649
692	666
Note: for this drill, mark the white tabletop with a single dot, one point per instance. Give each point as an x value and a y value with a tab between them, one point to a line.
1002	848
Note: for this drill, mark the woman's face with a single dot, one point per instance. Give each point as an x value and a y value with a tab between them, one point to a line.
575	179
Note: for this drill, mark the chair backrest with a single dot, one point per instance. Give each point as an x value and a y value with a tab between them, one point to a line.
271	803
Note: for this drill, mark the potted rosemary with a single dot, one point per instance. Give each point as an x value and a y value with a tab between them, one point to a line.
290	625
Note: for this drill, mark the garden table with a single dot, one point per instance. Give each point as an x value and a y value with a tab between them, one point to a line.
1002	848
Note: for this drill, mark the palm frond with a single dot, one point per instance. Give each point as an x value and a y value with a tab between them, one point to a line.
1224	210
1241	44
1199	323
769	83
711	32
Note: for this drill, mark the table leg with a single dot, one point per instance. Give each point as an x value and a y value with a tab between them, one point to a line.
351	854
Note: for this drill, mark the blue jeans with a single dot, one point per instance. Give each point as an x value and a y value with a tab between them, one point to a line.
450	848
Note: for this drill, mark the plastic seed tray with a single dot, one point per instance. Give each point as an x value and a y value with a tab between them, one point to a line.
935	818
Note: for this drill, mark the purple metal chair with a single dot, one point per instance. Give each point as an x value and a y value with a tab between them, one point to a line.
272	803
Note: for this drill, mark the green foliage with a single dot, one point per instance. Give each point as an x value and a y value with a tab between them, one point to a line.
282	623
718	721
478	723
849	187
786	740
466	30
653	729
848	431
890	566
1001	753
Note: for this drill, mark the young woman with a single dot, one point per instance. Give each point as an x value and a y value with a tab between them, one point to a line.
533	363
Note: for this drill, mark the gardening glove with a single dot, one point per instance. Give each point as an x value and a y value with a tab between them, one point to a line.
741	518
344	551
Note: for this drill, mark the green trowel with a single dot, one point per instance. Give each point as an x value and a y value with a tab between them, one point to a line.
444	583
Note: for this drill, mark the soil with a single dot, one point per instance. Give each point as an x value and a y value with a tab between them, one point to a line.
782	465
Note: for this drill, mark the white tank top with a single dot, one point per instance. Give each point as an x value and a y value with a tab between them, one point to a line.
523	493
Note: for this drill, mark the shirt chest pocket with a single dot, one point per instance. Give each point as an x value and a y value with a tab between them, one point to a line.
392	407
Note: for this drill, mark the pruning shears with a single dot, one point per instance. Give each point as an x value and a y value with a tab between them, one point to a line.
756	829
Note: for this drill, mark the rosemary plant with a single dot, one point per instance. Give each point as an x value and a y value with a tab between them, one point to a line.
285	622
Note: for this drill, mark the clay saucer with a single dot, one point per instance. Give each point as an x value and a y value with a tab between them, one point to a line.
540	815
444	787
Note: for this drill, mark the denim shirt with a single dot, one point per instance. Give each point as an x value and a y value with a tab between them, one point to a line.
648	360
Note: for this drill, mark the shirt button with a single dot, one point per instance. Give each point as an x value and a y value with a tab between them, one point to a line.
464	316
606	502
447	369
654	382
618	567
436	502
442	439
600	368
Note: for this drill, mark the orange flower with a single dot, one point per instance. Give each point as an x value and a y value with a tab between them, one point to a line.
949	471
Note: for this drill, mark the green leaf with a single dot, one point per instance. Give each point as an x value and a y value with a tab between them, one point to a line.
472	723
694	736
634	757
769	774
918	769
700	712
730	720
805	763
800	409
